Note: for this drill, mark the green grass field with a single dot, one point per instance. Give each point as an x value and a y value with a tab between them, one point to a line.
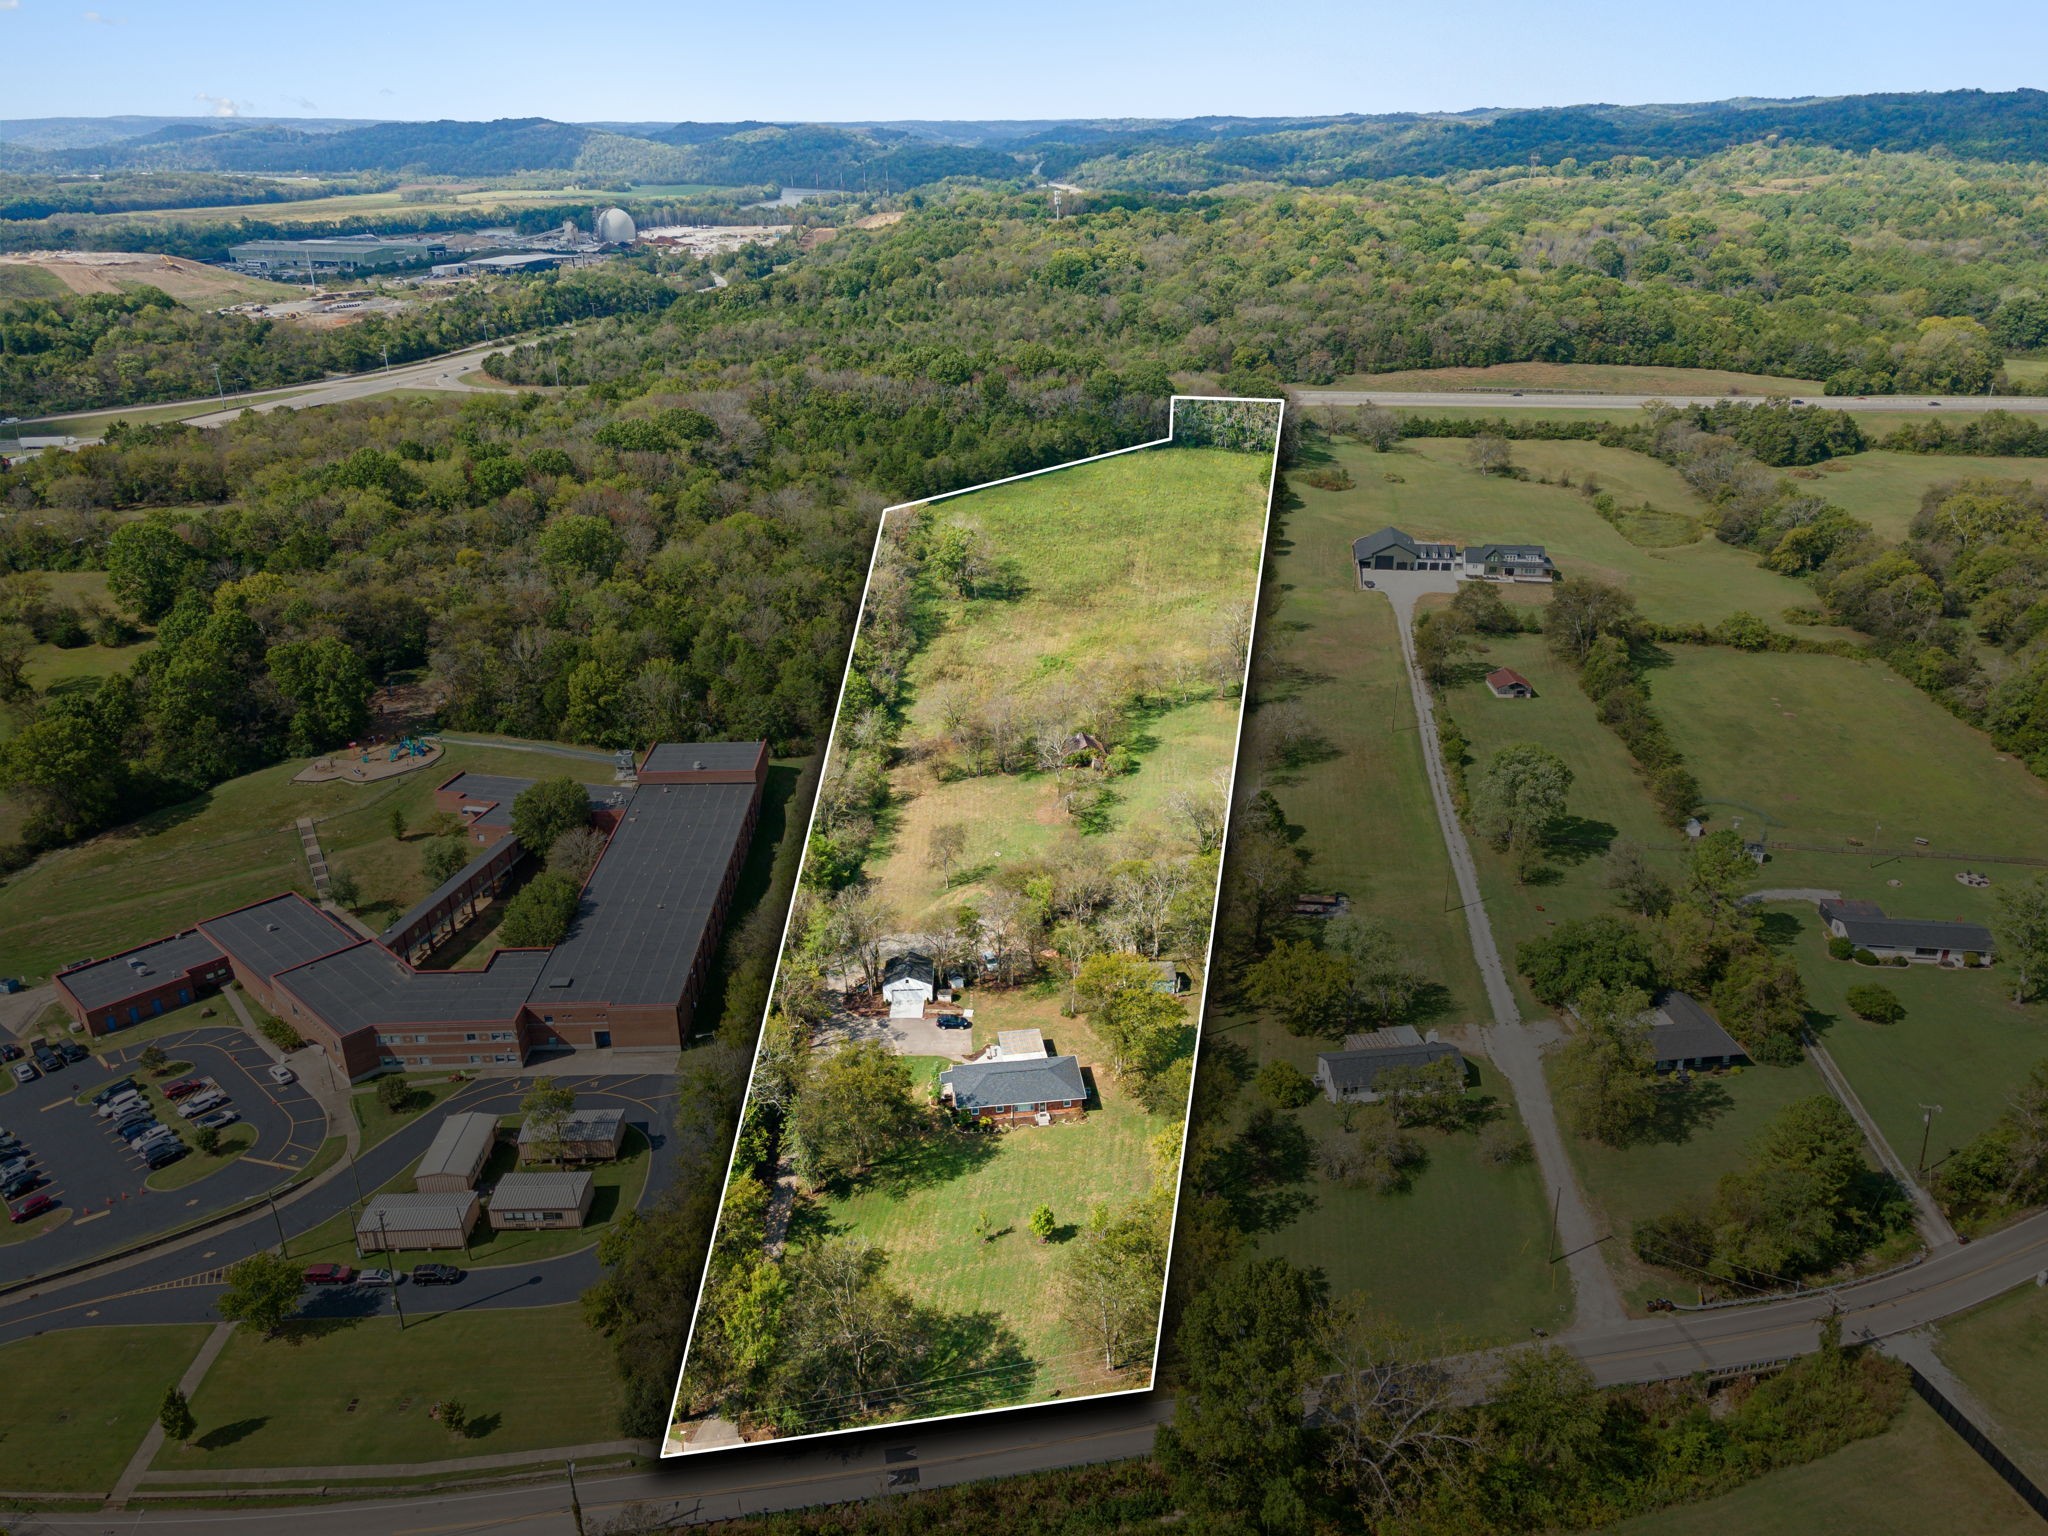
18	280
1703	1134
232	845
1916	1478
1884	488
1433	493
923	1206
1610	378
96	1394
357	1392
2000	1352
1488	1226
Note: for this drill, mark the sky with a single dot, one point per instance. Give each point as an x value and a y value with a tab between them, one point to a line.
838	61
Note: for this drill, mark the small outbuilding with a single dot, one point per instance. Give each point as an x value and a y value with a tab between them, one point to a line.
909	981
540	1201
588	1136
1018	1045
456	1157
1168	978
392	1222
1507	683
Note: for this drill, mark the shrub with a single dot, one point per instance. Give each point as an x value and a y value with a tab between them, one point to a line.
1285	1085
1971	959
1840	948
1898	960
1880	1005
1865	957
1503	1144
281	1035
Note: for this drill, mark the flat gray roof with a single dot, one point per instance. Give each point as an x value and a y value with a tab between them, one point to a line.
504	847
460	1146
275	935
699	756
368	985
106	982
649	901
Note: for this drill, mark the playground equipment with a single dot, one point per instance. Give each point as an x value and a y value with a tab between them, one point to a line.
407	746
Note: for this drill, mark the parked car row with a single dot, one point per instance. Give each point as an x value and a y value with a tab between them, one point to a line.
132	1119
20	1178
48	1057
344	1274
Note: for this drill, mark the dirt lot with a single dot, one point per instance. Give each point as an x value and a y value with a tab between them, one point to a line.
189	282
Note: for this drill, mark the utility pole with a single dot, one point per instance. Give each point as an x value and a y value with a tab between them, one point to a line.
1927	1114
387	358
575	1504
397	1278
282	1246
219	392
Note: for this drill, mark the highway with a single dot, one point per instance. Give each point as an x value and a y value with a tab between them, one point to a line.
1570	400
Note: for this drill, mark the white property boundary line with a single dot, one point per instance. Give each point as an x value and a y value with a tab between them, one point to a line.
668	1450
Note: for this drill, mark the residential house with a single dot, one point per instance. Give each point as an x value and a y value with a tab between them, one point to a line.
1392	550
1352	1074
1685	1037
1017	1090
1923	941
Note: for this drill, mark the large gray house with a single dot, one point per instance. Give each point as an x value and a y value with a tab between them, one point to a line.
1392	550
1925	941
1352	1074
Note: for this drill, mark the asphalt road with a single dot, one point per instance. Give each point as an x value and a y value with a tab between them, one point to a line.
1539	400
442	372
91	1171
180	1286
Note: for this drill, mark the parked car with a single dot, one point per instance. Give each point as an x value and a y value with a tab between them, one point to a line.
14	1168
121	1104
114	1090
328	1274
46	1058
217	1119
135	1130
383	1277
200	1103
955	1021
25	1072
10	984
71	1050
33	1206
150	1138
9	1051
435	1274
185	1087
128	1119
19	1184
163	1154
280	1073
13	1146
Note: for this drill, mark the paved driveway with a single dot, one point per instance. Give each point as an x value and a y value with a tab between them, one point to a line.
906	1037
101	1181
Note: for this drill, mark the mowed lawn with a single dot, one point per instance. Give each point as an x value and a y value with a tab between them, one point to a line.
1703	1133
1917	1477
1607	802
232	845
1489	1228
1962	1044
96	1392
1884	488
2000	1352
1428	488
1830	748
1126	567
922	1206
357	1392
1613	378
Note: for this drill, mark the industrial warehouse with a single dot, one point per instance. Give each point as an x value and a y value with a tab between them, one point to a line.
628	973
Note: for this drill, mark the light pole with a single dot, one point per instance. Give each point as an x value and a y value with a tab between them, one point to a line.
398	1305
282	1246
575	1504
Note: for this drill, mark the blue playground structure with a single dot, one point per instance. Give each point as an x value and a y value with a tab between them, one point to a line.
408	746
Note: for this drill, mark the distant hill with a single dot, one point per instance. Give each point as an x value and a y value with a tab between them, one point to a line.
1179	155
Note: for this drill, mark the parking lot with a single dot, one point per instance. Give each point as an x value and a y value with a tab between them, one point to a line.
98	1180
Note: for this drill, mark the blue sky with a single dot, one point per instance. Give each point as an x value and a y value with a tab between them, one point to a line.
647	60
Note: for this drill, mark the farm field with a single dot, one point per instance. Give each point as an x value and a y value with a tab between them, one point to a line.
1606	378
1884	487
192	283
1488	1226
466	196
1125	567
1702	1134
2000	1352
1962	1044
230	846
1916	1477
922	1206
1427	488
1826	748
349	1391
97	1391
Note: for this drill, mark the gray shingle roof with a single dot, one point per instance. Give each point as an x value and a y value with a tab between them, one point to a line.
1682	1030
913	964
1510	552
1368	545
1865	925
1000	1084
460	1146
105	982
1350	1070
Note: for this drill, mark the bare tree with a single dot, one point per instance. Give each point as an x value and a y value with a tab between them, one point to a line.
1200	812
1389	1409
855	931
944	847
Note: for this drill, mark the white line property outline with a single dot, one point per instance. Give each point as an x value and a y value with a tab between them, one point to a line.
669	1450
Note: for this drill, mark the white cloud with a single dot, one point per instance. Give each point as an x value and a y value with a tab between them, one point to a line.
10	5
100	19
221	106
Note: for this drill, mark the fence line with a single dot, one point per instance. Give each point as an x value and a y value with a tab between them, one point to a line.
1978	1441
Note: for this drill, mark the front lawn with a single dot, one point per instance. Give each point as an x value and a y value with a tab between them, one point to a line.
350	1392
2000	1352
95	1394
